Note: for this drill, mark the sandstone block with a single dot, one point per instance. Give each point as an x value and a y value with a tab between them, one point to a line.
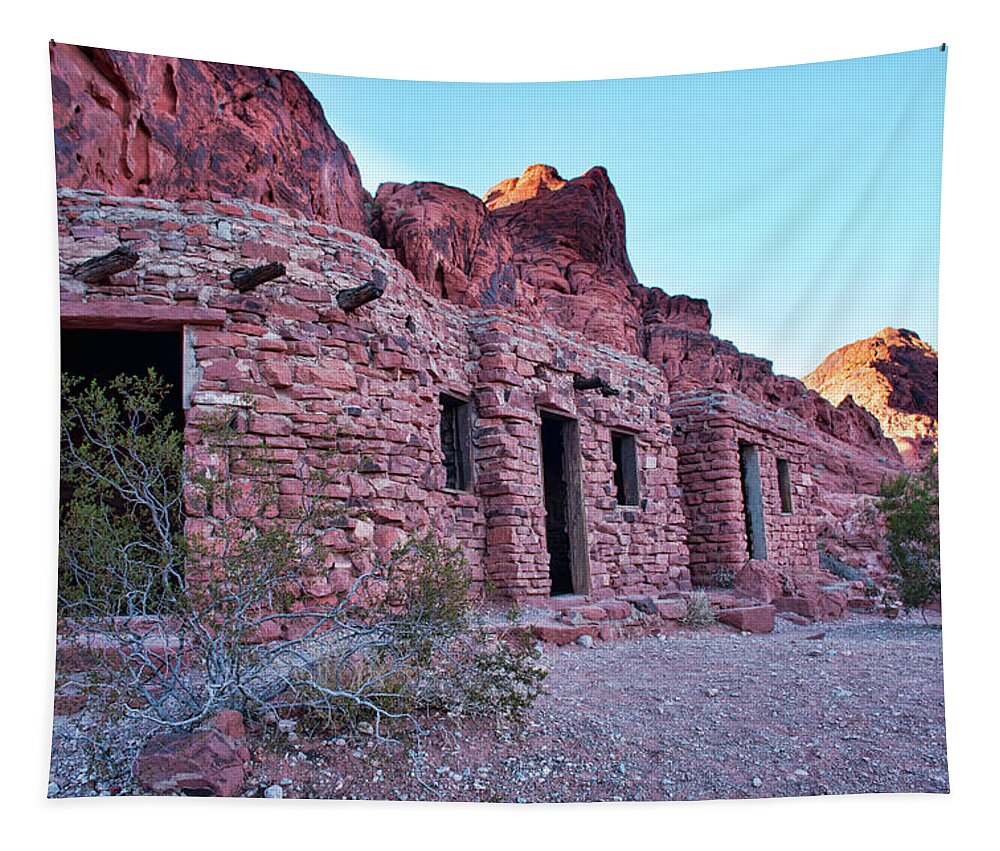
749	618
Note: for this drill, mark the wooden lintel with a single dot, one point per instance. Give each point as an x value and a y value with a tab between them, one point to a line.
594	382
113	314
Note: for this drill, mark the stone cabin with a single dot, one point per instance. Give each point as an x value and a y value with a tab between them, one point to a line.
560	465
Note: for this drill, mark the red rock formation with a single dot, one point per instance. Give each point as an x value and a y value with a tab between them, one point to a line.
569	248
553	249
894	376
138	125
535	179
445	237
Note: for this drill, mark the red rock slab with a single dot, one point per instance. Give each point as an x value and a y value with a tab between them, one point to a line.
205	762
671	609
799	605
617	610
749	618
557	633
593	613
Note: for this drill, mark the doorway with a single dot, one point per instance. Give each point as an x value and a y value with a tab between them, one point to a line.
101	355
565	519
753	501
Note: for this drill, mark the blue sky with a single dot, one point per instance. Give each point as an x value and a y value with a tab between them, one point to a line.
801	201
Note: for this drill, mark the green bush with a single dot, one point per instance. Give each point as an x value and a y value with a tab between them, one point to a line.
222	619
121	545
909	508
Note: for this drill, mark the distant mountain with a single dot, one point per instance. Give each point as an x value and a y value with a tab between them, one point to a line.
894	376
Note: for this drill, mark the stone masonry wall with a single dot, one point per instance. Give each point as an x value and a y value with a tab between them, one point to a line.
366	385
708	430
525	370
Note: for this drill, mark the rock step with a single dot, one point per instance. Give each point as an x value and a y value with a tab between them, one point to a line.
563	633
799	605
749	618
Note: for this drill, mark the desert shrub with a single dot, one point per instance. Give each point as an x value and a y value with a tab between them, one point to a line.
121	547
180	619
422	651
909	508
698	611
724	577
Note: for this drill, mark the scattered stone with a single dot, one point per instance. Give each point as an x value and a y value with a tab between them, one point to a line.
585	641
274	791
204	762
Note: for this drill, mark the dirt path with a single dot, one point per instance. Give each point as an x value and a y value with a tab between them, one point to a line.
697	715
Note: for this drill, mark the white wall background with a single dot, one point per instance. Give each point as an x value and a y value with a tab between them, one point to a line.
513	40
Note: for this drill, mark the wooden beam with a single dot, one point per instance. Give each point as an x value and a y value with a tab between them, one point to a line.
245	279
100	268
594	382
352	299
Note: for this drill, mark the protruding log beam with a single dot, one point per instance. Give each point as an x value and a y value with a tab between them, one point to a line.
103	267
353	298
245	279
594	382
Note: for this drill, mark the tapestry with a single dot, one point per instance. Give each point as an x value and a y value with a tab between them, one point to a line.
529	442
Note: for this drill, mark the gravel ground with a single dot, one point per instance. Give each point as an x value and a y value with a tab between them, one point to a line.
850	707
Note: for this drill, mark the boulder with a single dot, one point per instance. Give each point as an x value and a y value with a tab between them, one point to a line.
801	606
671	609
559	634
617	610
758	579
206	762
645	605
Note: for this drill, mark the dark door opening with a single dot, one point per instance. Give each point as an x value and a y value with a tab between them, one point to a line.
753	501
565	531
101	355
